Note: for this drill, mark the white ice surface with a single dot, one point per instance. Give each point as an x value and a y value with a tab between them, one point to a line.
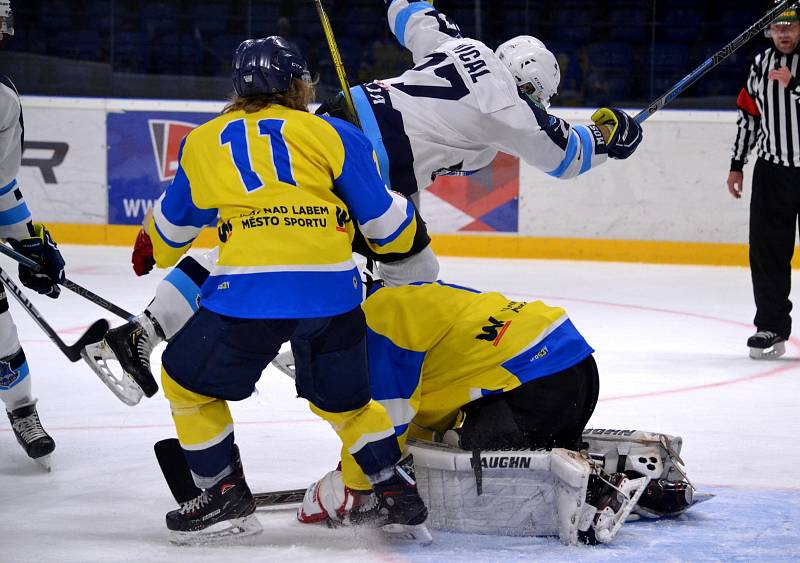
670	344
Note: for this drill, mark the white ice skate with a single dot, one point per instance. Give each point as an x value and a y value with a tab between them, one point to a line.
123	386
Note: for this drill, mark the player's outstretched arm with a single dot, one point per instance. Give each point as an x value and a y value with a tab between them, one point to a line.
419	27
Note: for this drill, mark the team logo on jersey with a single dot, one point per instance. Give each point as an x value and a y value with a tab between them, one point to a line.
8	375
494	331
166	136
225	230
342	219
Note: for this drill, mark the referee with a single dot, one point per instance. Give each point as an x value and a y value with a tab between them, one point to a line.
769	120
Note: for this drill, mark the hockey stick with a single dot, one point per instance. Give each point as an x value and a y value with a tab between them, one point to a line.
179	478
95	333
337	61
712	61
69	284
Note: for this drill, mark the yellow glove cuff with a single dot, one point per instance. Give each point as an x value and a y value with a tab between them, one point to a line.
607	121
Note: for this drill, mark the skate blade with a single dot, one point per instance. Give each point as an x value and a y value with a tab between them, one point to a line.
418	533
219	532
44	462
123	386
773	352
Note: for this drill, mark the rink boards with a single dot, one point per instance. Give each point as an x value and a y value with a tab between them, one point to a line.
92	167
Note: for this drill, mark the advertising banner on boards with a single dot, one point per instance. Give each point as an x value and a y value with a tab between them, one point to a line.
143	158
63	172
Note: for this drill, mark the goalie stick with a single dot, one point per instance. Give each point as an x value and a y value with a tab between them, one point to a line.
95	332
712	61
179	478
69	284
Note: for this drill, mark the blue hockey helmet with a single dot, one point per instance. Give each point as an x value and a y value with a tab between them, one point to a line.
266	66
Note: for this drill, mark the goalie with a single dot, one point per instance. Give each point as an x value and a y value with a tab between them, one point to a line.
507	375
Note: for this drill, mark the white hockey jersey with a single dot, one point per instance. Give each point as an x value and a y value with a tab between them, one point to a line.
14	213
457	108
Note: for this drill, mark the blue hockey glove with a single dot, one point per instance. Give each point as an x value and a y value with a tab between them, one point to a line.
623	132
43	250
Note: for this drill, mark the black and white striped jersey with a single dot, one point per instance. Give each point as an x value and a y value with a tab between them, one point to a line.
769	114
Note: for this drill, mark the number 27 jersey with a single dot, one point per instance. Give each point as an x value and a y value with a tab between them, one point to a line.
457	108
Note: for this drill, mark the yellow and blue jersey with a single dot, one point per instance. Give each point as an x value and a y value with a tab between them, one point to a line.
286	187
433	348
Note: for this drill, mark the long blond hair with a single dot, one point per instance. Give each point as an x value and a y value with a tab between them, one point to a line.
298	96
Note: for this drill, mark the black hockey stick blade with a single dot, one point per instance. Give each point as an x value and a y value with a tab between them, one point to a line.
274	498
94	333
175	470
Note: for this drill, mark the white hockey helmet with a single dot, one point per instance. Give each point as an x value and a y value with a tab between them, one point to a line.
533	67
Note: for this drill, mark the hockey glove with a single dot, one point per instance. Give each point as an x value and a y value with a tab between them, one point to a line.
43	250
142	258
622	133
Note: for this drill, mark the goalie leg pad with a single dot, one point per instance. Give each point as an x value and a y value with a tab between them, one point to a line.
525	493
648	453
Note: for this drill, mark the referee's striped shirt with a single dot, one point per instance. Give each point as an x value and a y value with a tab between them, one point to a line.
769	114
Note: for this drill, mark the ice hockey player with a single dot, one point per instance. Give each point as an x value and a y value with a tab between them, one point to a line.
462	103
34	241
288	187
524	378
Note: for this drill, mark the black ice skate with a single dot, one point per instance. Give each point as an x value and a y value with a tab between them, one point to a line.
219	512
132	344
31	436
397	508
665	498
766	345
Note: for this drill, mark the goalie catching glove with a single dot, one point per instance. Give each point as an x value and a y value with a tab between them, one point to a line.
41	248
622	133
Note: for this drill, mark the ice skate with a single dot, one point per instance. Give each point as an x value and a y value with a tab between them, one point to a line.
663	498
98	355
31	436
397	507
223	511
766	345
132	344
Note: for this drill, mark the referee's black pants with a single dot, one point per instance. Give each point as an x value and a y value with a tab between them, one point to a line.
774	211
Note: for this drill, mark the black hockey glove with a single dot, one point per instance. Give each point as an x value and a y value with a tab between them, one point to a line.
623	132
41	249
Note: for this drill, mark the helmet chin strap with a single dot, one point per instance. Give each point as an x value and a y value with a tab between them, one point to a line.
534	100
